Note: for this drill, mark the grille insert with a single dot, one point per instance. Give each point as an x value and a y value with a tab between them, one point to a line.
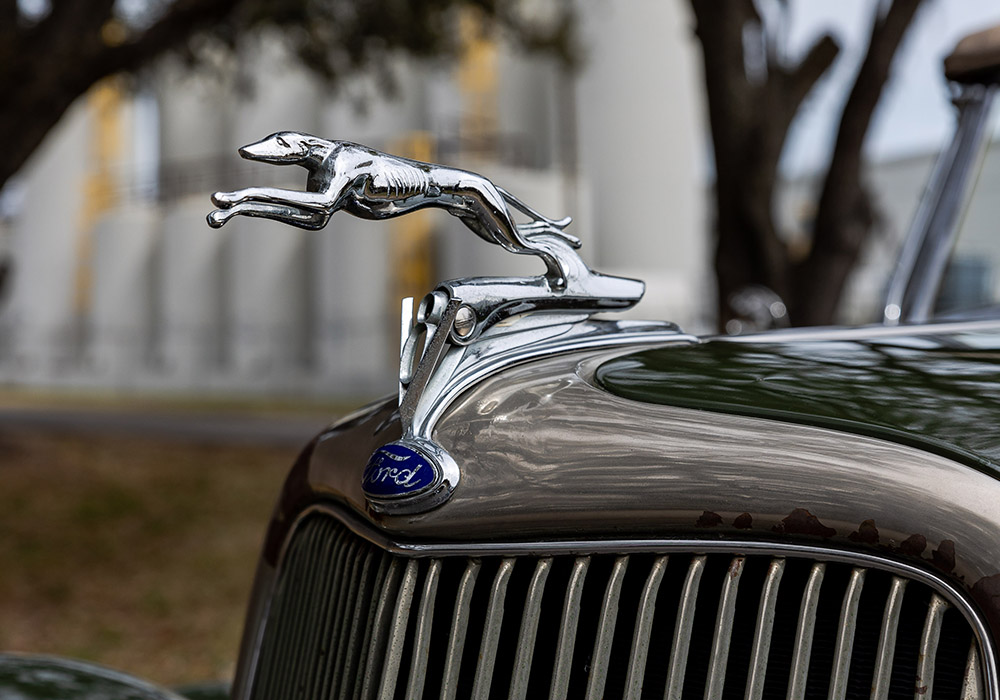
348	620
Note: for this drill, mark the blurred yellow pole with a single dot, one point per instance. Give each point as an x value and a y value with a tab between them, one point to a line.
104	102
412	250
477	79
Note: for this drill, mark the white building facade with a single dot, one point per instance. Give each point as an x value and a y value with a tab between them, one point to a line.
118	283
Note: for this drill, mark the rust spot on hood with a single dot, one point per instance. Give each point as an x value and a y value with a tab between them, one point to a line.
944	556
866	533
744	521
914	545
801	522
708	519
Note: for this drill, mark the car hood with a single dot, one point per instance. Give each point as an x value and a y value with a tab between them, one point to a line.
936	390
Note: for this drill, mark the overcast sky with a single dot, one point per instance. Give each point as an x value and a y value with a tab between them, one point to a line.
915	114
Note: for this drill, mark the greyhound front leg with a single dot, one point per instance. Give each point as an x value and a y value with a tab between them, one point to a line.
296	216
317	201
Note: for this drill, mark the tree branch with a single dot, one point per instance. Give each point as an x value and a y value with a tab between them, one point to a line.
799	82
844	216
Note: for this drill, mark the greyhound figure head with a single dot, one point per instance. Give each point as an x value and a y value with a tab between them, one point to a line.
288	148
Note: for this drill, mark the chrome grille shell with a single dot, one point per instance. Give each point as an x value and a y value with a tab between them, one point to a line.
407	637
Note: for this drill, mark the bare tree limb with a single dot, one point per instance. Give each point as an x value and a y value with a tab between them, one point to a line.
845	215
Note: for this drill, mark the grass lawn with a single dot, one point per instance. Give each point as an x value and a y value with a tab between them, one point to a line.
132	553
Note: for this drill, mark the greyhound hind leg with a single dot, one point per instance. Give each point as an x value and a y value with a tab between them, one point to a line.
528	211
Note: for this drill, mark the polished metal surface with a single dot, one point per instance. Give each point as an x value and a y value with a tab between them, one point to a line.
670	592
972	683
872	332
845	636
606	631
459	628
929	641
491	634
397	638
567	630
723	630
378	639
887	640
421	645
920	268
764	630
683	627
373	185
804	633
643	628
529	630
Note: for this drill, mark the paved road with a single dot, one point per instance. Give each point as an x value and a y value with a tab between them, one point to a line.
284	430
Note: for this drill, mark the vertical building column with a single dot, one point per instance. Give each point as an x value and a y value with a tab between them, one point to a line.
121	304
638	110
189	268
40	311
115	276
267	301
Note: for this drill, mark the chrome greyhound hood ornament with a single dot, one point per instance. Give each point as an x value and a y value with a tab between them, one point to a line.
459	324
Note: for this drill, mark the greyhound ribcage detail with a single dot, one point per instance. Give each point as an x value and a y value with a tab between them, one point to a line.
397	181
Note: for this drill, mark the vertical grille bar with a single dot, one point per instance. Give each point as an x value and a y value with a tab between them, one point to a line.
369	612
643	627
529	628
397	636
380	630
422	644
887	640
334	633
929	646
350	649
972	683
845	636
606	631
567	630
491	634
338	582
683	628
804	634
763	630
459	626
723	631
290	647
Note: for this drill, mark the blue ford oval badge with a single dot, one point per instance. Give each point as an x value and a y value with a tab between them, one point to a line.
406	476
397	470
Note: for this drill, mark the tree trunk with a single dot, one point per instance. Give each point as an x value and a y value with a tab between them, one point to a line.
749	122
750	112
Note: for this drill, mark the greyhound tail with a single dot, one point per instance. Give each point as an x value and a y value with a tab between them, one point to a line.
528	211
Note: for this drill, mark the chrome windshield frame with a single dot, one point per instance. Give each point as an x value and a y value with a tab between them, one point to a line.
927	246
